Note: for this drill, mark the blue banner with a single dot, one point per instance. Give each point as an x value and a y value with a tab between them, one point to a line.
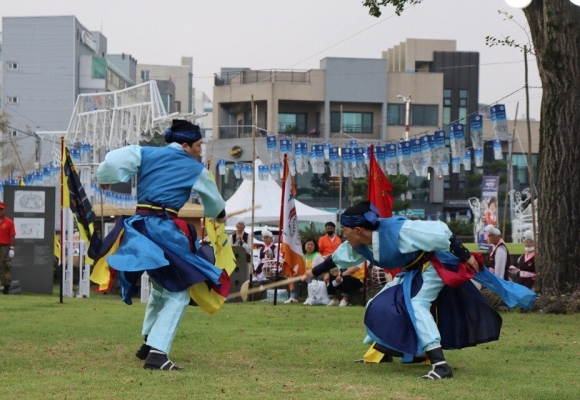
499	121
476	130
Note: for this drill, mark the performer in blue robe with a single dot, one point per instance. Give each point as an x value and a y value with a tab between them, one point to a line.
399	318
154	240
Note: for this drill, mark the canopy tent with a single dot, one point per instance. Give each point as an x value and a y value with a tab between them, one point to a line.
269	195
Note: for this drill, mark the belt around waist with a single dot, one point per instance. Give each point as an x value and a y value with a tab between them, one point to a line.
149	207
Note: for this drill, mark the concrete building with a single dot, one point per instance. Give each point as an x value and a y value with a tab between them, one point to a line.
48	62
204	105
180	75
369	94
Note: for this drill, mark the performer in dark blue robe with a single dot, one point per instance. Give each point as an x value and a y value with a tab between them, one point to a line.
399	318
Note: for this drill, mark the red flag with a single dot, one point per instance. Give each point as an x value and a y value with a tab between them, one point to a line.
379	192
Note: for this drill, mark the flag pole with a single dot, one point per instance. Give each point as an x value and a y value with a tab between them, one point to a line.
281	223
62	246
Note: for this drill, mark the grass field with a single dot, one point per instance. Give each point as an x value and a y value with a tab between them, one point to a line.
84	349
513	248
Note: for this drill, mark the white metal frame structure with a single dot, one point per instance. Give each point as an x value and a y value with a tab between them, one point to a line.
109	120
116	119
522	213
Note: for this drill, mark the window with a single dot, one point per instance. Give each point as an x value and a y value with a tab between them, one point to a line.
463	98
292	123
352	122
144	75
12	65
248	122
396	114
99	70
447	99
13	132
12	99
425	115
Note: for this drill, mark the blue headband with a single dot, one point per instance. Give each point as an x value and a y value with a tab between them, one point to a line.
183	136
350	221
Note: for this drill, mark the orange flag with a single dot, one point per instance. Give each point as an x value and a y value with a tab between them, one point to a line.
291	244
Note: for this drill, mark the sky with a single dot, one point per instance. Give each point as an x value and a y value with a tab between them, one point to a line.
297	34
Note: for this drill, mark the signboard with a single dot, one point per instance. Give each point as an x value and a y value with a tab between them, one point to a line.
488	211
32	208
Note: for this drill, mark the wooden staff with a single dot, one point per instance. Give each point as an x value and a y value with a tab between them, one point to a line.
244	293
238	212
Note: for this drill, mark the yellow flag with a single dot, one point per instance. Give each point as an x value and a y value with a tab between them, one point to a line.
56	246
209	300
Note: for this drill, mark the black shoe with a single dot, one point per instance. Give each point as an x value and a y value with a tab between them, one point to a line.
440	371
143	351
440	368
159	360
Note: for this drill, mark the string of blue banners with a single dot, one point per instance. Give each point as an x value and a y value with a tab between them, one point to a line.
415	155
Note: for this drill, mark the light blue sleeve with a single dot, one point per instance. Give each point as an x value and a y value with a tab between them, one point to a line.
346	256
423	235
120	165
212	200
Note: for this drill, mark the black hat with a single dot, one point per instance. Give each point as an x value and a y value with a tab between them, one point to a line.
182	131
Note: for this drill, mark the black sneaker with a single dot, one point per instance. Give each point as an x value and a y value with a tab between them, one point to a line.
159	360
143	351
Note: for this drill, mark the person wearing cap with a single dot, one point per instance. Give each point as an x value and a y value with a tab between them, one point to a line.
329	242
436	266
155	240
267	252
526	268
7	241
499	258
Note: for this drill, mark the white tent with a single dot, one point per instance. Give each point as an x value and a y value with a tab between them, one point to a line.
268	194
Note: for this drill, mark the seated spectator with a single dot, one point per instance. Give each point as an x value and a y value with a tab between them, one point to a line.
347	281
499	258
525	272
311	259
267	256
242	238
329	242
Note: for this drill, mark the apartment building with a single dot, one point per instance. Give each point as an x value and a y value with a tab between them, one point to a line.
174	83
351	98
48	61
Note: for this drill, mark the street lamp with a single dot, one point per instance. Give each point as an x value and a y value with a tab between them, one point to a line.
407	101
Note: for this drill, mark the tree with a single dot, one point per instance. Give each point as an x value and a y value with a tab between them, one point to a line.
555	31
10	161
400	187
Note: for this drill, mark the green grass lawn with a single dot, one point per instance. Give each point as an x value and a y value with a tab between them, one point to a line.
84	349
513	248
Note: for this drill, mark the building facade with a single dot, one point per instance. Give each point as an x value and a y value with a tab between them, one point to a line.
352	99
48	62
181	77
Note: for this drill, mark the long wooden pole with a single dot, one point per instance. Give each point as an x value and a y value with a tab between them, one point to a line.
281	222
272	285
509	175
530	163
251	271
62	245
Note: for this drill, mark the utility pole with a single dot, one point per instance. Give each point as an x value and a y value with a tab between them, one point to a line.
407	101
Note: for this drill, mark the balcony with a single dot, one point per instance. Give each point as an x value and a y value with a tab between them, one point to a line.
353	129
261	76
300	130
